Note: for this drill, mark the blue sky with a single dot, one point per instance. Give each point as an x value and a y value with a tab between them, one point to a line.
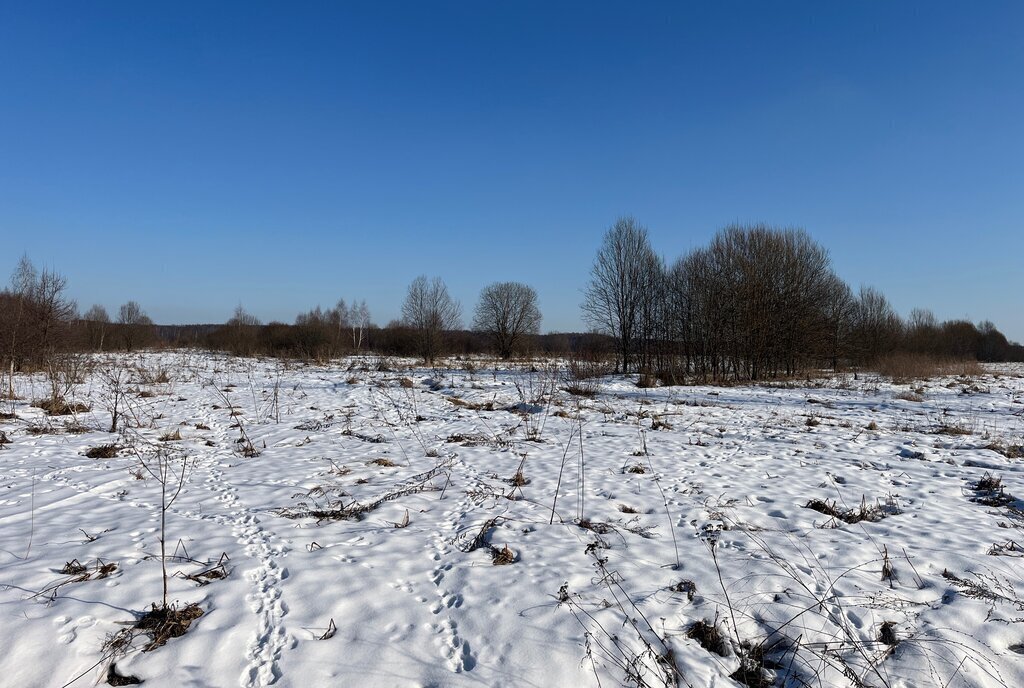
193	156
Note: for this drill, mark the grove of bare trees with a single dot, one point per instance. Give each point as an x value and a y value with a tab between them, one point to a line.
757	302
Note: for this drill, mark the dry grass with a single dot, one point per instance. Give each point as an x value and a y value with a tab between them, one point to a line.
906	367
60	407
104	451
163	623
1010	451
954	429
708	637
171	436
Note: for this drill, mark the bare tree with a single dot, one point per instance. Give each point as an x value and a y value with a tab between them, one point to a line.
97	320
242	332
359	321
133	323
115	376
337	317
507	311
35	317
876	326
429	311
615	297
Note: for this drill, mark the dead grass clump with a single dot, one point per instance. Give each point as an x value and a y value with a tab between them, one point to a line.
80	572
159	376
989	491
595	526
708	637
202	426
171	436
383	461
751	671
104	451
73	568
871	426
3	438
60	407
582	388
865	512
217	572
626	509
687	587
163	623
910	396
659	423
467	440
954	429
471	405
582	376
637	468
7	415
503	556
647	381
1010	451
405	383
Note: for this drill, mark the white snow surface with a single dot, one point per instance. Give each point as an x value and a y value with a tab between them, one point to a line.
674	505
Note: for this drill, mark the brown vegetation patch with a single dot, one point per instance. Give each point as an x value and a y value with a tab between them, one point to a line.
104	451
60	407
170	436
906	367
163	623
865	512
1010	451
990	491
708	637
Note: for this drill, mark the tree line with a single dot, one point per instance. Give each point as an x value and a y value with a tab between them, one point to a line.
757	302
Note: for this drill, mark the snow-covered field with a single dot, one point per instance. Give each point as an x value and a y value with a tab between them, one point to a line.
344	526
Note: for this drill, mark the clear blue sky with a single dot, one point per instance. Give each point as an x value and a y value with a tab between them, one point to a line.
193	156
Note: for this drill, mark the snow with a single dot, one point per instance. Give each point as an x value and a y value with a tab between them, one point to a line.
686	492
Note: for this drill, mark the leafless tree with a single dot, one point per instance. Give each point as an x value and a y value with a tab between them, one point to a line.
170	466
507	311
35	317
133	324
876	326
615	298
242	332
358	321
337	318
97	321
115	377
429	311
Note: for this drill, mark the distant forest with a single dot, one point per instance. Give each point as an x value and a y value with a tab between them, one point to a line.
756	303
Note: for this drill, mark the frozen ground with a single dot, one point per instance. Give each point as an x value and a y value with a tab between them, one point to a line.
428	563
